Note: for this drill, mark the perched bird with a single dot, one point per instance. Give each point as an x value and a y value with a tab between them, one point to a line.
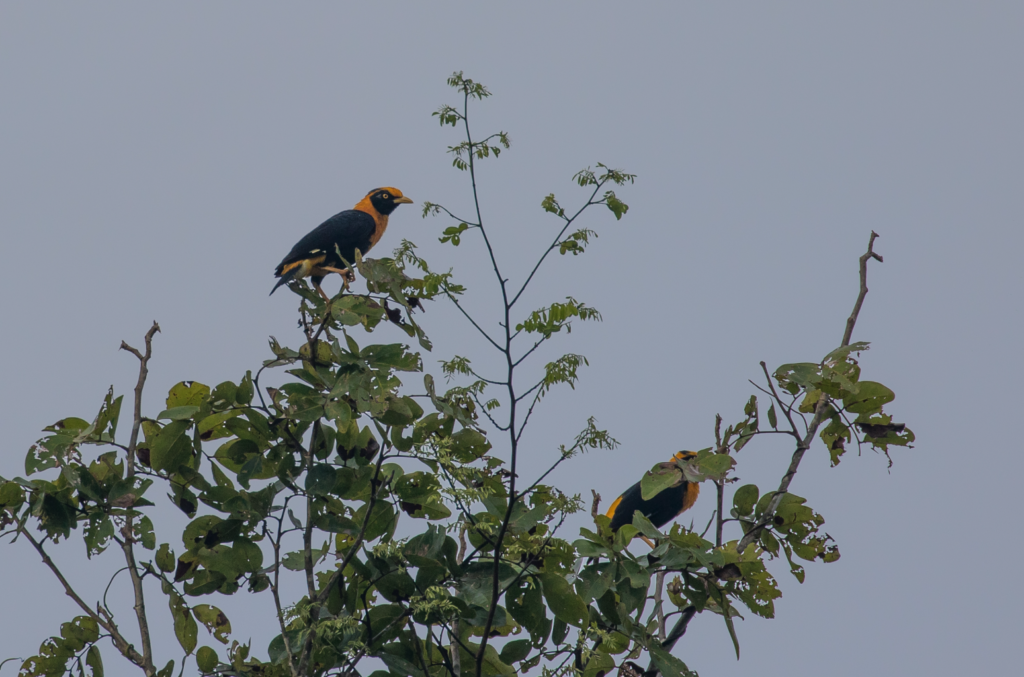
663	507
316	254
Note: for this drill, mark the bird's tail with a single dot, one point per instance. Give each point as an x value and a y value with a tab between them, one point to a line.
286	277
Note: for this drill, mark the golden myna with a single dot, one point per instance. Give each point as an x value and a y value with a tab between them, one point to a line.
360	228
663	507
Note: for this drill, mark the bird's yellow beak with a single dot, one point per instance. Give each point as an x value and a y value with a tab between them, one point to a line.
402	201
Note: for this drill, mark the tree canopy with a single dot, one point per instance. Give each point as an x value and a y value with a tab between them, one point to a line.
396	495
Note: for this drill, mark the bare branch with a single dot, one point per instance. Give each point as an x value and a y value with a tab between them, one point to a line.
869	254
143	373
128	545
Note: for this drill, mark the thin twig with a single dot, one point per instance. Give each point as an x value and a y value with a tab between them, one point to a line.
869	254
470	318
554	243
528	352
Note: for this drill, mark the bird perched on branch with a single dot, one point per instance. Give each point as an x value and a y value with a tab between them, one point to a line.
661	508
317	254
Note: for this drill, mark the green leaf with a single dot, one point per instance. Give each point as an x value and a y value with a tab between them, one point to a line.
214	620
106	419
550	205
453	234
732	630
617	206
716	466
165	558
320	479
744	500
659	478
772	418
669	665
646	527
792	377
559	631
547	321
185	628
244	393
563	600
206	659
214	420
144	532
187	393
294	561
339	412
388	621
516	650
382	519
469	444
598	665
11	495
524	602
182	413
94	661
869	398
170	448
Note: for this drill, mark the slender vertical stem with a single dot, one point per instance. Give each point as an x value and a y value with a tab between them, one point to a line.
513	438
719	484
852	320
128	545
307	532
659	589
275	587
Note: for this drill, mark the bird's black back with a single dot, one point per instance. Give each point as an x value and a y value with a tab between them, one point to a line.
348	230
661	509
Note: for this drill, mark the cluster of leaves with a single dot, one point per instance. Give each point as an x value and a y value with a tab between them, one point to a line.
850	404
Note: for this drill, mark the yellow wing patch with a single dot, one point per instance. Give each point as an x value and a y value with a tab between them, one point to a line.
613	506
305	266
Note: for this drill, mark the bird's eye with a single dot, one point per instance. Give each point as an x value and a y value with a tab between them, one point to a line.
385	196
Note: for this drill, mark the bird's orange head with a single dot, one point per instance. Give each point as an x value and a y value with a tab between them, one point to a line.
385	200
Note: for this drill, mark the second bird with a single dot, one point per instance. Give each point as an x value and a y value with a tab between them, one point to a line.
361	227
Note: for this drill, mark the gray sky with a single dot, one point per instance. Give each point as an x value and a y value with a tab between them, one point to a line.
157	164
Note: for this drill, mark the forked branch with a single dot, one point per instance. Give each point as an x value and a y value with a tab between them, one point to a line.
819	411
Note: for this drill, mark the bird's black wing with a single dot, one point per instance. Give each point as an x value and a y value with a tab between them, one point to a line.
661	509
347	230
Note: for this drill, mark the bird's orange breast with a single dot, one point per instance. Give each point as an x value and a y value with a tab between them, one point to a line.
380	220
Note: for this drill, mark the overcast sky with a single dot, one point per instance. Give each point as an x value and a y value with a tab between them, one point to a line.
157	163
